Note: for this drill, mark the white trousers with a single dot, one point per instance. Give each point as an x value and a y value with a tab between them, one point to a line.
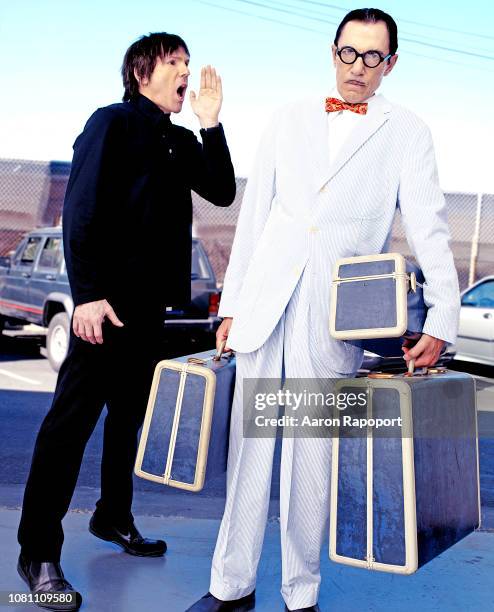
304	478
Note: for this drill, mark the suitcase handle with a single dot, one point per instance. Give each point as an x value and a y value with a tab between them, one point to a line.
219	352
424	371
411	279
411	368
411	371
196	360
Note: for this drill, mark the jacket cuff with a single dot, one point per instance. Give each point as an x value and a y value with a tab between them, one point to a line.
213	132
442	323
226	308
84	298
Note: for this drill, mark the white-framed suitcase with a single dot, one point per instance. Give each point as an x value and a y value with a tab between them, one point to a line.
400	499
184	438
375	300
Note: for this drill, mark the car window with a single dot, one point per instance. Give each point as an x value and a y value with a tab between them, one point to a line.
481	296
28	253
17	252
199	265
51	255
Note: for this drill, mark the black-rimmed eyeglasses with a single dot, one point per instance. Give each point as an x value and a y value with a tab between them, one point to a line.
371	59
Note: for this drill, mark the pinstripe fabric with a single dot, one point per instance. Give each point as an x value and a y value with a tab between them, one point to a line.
305	472
299	209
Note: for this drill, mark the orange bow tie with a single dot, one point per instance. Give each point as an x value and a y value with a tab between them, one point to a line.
334	105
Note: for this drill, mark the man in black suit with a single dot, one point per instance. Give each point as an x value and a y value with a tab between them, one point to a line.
127	241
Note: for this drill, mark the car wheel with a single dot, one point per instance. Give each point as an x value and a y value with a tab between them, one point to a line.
57	340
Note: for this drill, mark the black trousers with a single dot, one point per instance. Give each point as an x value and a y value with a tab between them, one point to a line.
117	373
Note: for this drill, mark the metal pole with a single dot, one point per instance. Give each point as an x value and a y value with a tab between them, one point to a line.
475	242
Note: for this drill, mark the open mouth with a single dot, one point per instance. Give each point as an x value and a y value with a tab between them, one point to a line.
181	91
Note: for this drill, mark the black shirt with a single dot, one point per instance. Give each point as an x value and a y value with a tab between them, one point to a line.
128	209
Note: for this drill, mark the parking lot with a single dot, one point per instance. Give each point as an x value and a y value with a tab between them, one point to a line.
189	521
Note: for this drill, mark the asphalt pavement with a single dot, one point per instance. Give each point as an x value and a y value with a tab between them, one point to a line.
459	579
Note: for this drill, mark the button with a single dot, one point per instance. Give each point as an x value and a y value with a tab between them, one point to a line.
313	229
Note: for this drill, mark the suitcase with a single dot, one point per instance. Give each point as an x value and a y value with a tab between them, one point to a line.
375	301
401	497
184	439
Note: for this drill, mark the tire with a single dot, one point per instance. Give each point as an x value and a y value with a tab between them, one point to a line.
57	340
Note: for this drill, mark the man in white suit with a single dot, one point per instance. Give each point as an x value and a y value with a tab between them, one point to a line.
326	183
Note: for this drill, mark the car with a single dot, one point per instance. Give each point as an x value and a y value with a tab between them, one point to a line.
476	330
34	288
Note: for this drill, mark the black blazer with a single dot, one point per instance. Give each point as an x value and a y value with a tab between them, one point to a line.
127	214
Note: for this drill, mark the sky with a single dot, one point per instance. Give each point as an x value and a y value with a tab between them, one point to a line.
60	60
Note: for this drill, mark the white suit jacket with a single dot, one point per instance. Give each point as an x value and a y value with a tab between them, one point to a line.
299	211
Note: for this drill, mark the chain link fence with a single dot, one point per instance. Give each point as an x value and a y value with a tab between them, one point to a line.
471	223
215	226
31	195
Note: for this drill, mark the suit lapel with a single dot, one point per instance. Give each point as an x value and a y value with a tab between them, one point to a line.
379	113
316	134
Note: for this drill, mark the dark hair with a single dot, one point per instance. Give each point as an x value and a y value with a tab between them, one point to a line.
142	56
371	15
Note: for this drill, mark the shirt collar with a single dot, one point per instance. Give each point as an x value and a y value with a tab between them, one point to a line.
148	108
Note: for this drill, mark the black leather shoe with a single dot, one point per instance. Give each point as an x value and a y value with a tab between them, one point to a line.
132	542
210	603
46	578
309	609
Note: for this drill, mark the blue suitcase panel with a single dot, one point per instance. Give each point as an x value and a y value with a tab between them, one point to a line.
352	499
449	461
158	440
387	508
388	515
366	305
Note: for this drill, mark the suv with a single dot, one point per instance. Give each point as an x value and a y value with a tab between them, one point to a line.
34	288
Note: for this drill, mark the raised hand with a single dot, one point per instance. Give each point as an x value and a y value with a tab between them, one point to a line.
207	104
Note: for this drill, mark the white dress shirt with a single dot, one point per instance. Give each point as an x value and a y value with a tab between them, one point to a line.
341	124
